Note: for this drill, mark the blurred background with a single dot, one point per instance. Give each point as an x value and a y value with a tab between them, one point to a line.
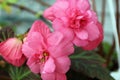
20	14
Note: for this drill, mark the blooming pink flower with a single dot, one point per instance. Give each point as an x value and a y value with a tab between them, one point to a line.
76	16
11	51
47	52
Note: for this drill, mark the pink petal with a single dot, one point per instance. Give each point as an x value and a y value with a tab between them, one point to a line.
93	44
93	31
48	76
68	34
58	24
91	15
53	76
55	38
56	11
79	42
11	48
83	5
49	66
39	26
61	49
16	62
59	8
27	51
36	41
11	51
61	76
83	35
33	64
48	13
72	4
62	64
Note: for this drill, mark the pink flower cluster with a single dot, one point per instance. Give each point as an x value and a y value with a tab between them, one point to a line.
48	52
79	19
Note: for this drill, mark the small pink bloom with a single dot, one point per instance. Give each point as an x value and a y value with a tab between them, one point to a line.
11	51
47	52
76	16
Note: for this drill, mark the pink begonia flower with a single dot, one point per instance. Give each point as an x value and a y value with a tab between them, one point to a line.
76	16
47	52
11	51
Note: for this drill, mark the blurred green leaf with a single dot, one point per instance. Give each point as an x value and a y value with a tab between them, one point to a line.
12	1
106	47
6	7
5	33
90	64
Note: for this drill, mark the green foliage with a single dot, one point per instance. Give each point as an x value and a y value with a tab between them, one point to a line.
22	73
5	5
12	1
18	73
6	33
106	47
90	64
33	76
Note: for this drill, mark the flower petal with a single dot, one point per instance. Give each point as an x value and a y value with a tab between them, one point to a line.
27	51
93	31
55	38
83	5
49	66
11	51
11	48
62	64
83	35
61	49
33	64
48	76
36	41
39	26
79	42
59	11
61	76
93	44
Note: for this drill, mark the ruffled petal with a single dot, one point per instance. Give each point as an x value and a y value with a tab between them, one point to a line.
83	35
93	31
79	42
60	23
93	44
83	5
58	10
48	13
55	38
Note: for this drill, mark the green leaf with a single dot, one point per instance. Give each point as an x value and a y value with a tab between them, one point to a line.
18	73
6	7
22	73
12	1
90	64
32	76
106	47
